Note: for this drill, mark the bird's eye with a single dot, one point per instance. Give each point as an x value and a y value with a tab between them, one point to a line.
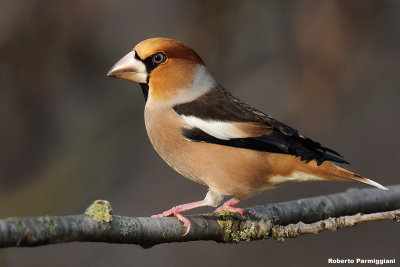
159	58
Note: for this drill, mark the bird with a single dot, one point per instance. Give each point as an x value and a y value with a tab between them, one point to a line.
212	137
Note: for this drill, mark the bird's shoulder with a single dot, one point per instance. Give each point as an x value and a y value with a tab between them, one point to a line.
218	104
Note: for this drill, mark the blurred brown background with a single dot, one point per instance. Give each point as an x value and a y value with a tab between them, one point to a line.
70	135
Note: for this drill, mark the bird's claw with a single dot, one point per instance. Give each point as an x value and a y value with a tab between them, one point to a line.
185	221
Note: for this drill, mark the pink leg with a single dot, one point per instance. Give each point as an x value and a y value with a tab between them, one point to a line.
229	206
176	211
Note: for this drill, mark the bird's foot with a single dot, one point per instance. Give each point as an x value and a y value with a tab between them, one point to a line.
229	206
176	211
169	212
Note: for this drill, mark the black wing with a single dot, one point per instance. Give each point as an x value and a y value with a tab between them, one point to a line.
220	105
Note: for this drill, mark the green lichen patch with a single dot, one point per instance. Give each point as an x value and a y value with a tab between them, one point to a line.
236	230
226	225
226	213
49	223
100	211
20	224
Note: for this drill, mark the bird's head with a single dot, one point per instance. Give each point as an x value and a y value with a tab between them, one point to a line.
167	70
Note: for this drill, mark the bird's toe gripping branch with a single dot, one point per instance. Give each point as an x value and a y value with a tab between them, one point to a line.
229	206
176	211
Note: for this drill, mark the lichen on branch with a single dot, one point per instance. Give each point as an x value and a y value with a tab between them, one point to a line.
100	211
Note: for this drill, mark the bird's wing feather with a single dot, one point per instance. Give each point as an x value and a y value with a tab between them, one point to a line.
220	118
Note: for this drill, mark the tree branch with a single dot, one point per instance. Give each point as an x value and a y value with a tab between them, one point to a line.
278	221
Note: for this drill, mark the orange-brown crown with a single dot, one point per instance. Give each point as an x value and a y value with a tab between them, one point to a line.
170	47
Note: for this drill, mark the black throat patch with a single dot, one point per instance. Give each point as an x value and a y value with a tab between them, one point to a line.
145	86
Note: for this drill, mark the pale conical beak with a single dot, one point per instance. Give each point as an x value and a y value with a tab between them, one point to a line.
129	68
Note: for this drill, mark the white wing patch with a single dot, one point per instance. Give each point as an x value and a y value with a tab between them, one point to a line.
218	129
296	177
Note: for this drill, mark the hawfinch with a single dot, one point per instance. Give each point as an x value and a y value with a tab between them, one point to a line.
213	138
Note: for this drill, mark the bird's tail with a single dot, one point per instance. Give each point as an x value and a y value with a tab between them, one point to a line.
342	173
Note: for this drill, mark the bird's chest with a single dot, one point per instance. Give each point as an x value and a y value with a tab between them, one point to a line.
164	128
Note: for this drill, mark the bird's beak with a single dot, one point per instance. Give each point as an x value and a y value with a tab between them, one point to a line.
129	68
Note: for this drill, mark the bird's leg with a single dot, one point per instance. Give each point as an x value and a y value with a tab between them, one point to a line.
229	206
181	208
